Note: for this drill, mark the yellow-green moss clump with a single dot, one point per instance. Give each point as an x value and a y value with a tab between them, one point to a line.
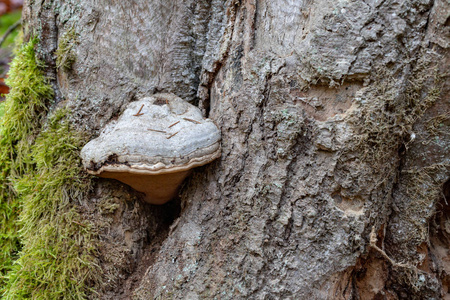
24	105
65	56
2	109
47	249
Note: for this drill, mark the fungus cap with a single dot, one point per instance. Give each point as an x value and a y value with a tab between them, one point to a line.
153	138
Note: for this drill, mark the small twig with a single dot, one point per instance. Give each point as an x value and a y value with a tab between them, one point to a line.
78	223
373	244
172	135
162	131
9	30
193	121
174	124
139	112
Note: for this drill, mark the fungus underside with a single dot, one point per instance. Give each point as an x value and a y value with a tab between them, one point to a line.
47	249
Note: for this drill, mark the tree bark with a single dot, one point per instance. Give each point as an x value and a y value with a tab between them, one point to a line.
334	118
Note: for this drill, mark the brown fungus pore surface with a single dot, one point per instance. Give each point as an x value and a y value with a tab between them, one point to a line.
153	146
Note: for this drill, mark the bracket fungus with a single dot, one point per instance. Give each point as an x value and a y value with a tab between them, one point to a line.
153	146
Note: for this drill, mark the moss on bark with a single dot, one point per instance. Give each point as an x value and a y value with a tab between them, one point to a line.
47	249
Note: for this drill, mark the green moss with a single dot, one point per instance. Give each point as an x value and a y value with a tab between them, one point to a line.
108	206
2	109
58	255
23	108
47	248
65	56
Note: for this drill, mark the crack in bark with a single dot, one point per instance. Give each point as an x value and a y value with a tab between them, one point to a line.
207	78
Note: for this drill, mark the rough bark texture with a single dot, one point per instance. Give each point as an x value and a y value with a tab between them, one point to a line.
334	119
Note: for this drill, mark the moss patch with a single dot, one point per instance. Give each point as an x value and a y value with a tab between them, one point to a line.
23	108
394	106
386	119
2	109
47	249
58	252
65	56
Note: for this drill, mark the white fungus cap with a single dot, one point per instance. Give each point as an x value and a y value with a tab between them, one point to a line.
155	135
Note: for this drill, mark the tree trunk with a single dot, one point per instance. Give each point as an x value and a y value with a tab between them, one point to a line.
333	179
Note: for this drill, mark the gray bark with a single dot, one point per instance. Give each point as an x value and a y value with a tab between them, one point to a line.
334	119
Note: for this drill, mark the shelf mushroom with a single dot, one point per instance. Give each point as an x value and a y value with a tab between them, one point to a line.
153	146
